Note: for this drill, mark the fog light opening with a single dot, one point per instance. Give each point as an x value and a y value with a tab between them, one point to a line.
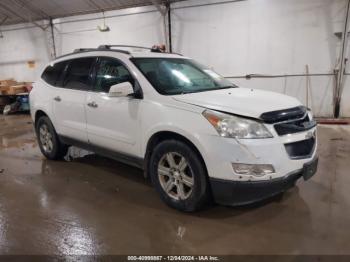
253	169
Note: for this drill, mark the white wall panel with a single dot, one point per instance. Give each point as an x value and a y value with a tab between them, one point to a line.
235	38
17	47
266	37
136	26
320	90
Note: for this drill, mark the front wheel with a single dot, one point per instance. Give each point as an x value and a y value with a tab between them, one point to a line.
179	176
50	145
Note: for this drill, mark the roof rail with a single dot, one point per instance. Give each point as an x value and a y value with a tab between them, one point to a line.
130	46
100	48
85	50
79	50
109	47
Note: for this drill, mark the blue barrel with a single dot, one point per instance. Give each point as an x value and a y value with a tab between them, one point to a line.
24	101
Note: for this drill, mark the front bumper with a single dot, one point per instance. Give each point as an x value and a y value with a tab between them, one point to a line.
234	193
219	153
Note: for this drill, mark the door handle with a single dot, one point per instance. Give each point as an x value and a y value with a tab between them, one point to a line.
58	99
92	104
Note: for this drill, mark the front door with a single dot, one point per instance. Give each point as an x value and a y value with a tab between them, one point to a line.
113	122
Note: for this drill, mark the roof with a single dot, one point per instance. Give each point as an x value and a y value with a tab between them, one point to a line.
23	11
125	50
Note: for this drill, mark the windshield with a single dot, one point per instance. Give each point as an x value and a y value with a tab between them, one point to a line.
172	76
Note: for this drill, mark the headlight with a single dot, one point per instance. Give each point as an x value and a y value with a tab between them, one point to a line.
236	127
309	113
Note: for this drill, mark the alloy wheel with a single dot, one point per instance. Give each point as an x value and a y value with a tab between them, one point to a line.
45	138
175	176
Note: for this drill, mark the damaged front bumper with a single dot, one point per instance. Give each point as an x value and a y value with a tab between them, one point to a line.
235	193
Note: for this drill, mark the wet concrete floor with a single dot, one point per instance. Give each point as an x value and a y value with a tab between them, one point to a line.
93	205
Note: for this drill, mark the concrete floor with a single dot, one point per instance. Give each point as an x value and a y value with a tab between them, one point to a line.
92	205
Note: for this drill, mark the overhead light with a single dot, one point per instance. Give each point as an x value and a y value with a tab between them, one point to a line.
104	27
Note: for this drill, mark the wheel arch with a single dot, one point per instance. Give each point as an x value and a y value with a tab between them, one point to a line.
39	113
160	136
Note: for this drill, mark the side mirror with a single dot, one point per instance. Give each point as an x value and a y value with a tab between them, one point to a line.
121	90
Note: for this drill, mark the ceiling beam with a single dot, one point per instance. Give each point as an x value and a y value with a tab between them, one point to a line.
92	2
5	15
34	9
3	20
24	19
159	6
36	12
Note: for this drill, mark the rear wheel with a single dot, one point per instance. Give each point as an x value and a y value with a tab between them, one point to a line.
179	176
49	143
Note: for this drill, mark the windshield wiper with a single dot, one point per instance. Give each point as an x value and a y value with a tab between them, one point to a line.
205	90
226	87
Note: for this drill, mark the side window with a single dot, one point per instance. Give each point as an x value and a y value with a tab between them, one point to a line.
111	72
52	73
78	74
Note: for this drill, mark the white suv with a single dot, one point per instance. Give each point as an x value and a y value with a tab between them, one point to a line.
196	135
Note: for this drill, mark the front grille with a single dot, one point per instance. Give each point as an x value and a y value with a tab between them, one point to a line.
284	115
301	149
295	126
289	121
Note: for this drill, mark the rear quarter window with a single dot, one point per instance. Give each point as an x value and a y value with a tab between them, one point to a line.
77	75
52	73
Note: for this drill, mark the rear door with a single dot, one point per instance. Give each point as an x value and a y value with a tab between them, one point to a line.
50	80
70	98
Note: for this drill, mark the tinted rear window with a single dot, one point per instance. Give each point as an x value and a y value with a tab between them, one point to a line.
52	74
78	74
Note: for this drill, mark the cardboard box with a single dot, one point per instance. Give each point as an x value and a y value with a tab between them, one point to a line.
8	82
17	89
12	87
4	89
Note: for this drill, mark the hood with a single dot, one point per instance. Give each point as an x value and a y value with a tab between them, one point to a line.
240	101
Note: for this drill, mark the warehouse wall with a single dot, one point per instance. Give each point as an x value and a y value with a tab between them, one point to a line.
135	26
236	38
269	37
20	44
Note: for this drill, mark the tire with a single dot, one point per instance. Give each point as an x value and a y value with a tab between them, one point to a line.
172	177
49	143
